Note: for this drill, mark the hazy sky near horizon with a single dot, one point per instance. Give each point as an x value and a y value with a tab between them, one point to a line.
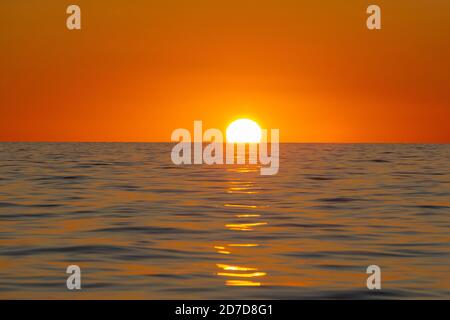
140	69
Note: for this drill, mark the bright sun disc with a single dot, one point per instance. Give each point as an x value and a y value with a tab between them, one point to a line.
243	131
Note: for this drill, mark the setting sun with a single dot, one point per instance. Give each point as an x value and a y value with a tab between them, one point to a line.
244	131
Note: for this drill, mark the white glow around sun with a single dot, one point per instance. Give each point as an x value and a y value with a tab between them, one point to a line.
244	131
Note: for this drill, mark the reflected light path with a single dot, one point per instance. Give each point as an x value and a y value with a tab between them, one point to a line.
240	274
242	283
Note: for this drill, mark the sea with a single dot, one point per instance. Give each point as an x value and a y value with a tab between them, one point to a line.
140	227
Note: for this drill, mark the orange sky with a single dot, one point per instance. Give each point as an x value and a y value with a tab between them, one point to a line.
139	69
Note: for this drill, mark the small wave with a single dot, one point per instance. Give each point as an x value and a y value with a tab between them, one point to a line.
151	230
339	199
379	161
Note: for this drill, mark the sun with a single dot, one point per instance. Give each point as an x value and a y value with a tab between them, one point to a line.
244	131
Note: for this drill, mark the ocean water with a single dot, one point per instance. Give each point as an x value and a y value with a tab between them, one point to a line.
140	227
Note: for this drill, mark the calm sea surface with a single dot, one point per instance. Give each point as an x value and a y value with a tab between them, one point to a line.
141	227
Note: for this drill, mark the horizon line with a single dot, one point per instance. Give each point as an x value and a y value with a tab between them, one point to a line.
207	142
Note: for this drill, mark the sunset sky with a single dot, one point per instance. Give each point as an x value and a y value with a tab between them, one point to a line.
140	69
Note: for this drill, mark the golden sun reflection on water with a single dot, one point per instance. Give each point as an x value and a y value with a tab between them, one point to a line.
234	268
244	226
240	274
243	275
243	245
242	283
240	206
